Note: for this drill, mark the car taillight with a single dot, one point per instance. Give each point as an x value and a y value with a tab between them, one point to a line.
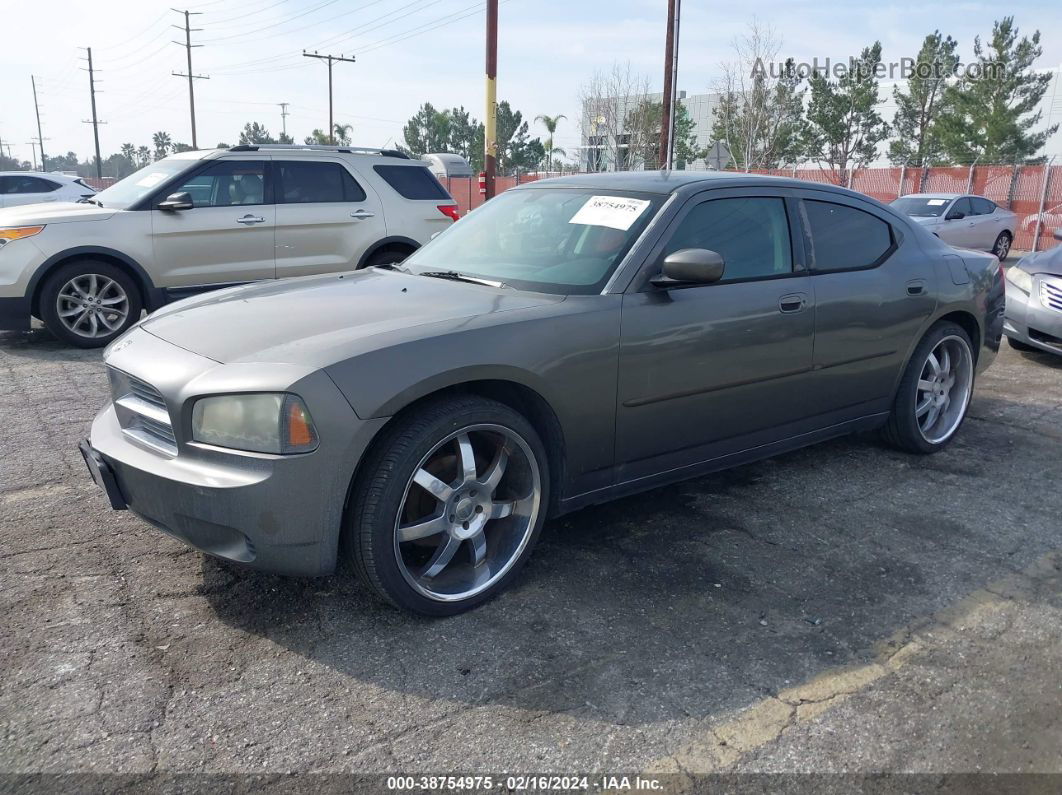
450	211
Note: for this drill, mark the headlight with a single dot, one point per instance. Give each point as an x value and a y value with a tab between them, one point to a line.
1020	279
9	233
259	423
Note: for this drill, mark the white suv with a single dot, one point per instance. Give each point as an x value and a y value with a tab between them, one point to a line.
201	220
29	187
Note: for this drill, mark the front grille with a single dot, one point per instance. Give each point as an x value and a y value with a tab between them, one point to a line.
142	412
1051	293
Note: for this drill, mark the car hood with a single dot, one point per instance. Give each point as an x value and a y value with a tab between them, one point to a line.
319	320
57	213
1048	261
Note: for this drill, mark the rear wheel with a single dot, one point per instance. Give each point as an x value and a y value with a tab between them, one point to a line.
448	506
934	392
1001	248
88	303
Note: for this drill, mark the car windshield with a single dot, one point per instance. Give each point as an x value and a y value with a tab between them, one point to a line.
127	192
551	240
921	206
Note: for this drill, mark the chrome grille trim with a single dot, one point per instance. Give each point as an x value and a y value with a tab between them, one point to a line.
142	412
1051	293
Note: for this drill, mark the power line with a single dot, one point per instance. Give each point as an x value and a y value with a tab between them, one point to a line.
192	77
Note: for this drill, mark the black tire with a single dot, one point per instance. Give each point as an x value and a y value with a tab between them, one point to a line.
389	256
368	540
48	307
901	430
1001	248
1018	345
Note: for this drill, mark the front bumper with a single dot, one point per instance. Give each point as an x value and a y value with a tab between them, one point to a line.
277	513
1028	320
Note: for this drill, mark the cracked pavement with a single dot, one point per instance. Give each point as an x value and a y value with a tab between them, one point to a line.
841	608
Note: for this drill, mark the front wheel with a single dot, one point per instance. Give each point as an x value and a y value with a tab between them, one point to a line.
934	392
88	303
1001	248
448	506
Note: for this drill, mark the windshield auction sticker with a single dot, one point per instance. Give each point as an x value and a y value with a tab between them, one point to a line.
616	212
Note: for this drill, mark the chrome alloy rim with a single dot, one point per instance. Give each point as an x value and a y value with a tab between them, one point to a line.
92	305
944	388
1002	247
467	512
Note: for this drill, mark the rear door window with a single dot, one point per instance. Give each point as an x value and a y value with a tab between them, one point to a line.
34	185
412	182
316	182
844	238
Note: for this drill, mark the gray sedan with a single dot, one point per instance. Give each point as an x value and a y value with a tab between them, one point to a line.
962	220
1034	301
572	341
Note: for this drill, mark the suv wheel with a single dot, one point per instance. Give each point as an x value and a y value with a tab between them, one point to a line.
934	392
448	506
88	303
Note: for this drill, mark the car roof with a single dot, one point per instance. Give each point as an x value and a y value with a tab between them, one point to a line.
45	174
664	182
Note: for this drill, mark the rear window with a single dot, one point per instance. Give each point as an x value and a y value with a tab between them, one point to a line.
412	182
309	182
844	238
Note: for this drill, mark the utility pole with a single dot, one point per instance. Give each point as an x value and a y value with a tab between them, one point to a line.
490	137
284	118
33	153
95	122
667	122
331	59
192	77
40	135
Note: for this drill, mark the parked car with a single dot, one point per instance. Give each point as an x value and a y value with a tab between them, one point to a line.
197	221
572	341
30	187
1034	301
962	220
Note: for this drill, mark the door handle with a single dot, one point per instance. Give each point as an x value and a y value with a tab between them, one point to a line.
793	302
361	214
249	219
916	287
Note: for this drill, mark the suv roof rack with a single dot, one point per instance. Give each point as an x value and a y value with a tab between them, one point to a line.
347	150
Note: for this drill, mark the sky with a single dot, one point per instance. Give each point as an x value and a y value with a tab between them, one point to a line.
407	52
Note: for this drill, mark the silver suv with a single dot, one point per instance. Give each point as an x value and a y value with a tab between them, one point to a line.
201	220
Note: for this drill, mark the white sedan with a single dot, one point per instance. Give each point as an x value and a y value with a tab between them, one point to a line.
30	187
962	220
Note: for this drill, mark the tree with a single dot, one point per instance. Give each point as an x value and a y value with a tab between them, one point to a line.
163	144
342	133
255	133
844	127
550	123
317	138
427	131
179	147
466	137
760	113
143	156
607	99
916	127
516	150
991	110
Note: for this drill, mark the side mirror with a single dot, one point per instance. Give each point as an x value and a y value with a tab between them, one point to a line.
1057	234
955	215
177	201
690	266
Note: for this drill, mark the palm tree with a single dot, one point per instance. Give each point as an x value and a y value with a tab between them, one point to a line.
163	144
550	123
343	132
129	153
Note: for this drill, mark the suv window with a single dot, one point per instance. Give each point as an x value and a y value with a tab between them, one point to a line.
306	181
412	182
227	183
844	238
27	185
982	206
752	235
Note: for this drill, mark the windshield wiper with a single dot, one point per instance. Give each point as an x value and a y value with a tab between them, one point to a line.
461	277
